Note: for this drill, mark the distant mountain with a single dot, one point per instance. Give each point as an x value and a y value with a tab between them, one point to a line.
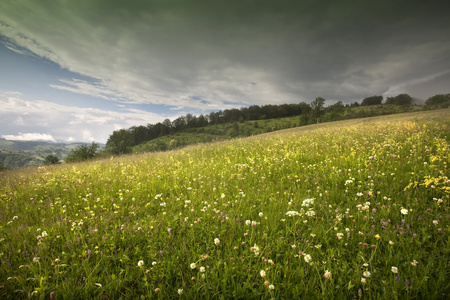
35	145
20	154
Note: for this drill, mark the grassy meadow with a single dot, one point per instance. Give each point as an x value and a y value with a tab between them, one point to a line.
353	209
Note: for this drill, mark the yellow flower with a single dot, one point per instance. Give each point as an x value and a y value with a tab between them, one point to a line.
377	236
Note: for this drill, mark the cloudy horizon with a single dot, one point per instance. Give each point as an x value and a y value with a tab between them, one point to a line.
78	70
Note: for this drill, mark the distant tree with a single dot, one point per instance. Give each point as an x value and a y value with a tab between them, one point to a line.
441	100
119	142
402	99
202	121
82	153
317	108
51	160
374	100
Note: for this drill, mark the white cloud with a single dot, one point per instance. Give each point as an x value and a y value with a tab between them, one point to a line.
45	120
30	137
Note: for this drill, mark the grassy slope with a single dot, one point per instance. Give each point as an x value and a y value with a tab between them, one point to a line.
249	128
101	218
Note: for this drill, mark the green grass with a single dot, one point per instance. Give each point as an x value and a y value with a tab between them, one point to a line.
134	226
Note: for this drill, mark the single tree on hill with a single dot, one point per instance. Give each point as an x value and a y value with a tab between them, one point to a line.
51	160
374	100
402	99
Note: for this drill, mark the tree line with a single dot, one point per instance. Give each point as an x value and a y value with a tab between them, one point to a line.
123	140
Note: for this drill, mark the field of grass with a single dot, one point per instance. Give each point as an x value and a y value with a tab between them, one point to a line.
349	210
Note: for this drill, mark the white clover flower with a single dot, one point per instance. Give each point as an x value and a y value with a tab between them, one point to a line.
327	274
435	222
271	287
140	263
260	214
363	280
193	266
36	259
216	241
394	270
180	291
202	269
404	211
414	263
262	273
367	274
154	263
248	222
307	258
44	234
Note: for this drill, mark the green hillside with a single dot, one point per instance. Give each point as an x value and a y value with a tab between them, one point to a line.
228	131
355	209
23	154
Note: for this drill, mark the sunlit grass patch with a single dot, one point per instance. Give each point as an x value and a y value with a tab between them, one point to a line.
346	209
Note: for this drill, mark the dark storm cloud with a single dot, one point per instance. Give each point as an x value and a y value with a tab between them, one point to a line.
241	52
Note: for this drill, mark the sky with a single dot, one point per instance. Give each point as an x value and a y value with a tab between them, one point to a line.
75	71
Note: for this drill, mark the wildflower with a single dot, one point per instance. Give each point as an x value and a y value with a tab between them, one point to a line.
367	274
307	258
414	263
391	243
339	235
266	283
154	263
377	236
363	280
271	287
262	273
255	249
260	214
140	263
327	274
404	211
36	259
394	270
180	291
216	241
271	262
435	222
292	213
248	222
193	266
15	218
202	269
310	213
157	290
